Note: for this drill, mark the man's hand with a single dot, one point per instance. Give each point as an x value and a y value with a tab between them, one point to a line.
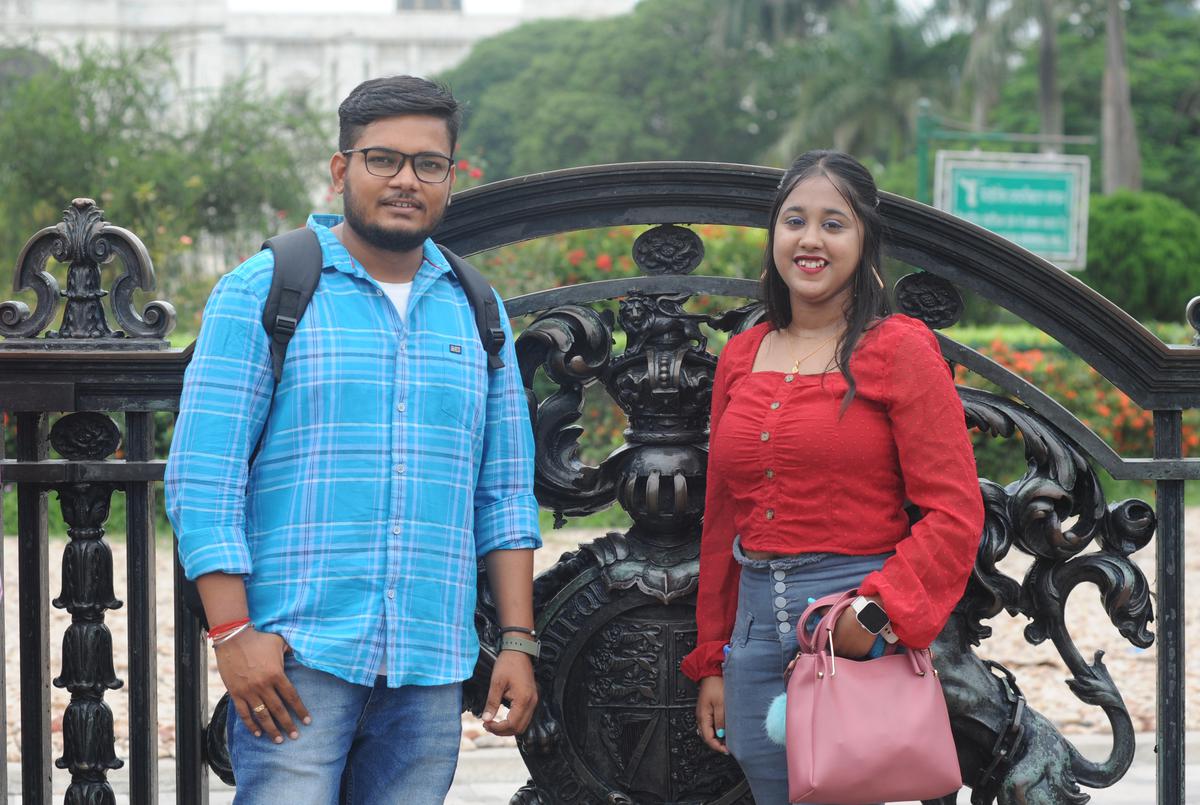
512	679
251	666
710	712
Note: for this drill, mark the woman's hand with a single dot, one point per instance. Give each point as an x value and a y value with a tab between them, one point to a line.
850	639
710	712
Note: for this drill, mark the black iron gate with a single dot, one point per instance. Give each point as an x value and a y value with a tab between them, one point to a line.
616	722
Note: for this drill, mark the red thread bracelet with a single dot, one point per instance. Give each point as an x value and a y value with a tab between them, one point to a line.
217	631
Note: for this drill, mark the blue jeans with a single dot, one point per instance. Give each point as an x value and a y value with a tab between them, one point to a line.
772	595
365	746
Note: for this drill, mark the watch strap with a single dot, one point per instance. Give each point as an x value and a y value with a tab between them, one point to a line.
525	645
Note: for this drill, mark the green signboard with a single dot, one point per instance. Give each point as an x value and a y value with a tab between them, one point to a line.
1038	202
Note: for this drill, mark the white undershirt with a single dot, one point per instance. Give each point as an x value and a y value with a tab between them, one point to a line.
398	292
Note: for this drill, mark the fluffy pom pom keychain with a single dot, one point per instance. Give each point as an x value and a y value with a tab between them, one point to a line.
776	722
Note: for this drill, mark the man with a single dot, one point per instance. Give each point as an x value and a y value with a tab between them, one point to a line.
389	458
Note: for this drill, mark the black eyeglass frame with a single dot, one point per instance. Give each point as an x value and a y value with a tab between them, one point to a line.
405	159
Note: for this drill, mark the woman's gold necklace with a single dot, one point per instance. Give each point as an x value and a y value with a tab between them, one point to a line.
806	356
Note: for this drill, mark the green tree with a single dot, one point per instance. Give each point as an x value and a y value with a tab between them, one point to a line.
237	162
1163	47
1143	253
644	86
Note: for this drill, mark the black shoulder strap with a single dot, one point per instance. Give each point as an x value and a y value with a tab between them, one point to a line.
483	303
298	262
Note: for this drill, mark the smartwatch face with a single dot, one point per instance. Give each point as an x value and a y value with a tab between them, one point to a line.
872	617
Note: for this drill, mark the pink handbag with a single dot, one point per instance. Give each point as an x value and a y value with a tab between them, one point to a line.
866	731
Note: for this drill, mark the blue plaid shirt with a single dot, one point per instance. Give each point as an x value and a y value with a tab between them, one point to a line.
390	461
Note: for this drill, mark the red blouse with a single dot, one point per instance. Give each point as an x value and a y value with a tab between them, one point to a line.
789	475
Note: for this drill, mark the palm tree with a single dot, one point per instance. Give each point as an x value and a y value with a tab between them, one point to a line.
742	22
860	83
1119	141
996	31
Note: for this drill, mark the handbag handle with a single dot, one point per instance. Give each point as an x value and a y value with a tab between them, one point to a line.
820	641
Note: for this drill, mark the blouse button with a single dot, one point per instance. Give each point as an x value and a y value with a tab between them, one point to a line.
774	405
770	514
765	436
770	473
788	378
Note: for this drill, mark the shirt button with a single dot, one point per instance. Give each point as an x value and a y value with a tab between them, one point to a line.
785	627
788	378
781	616
780	575
780	586
774	405
770	473
765	436
396	529
781	602
401	407
391	593
399	469
403	347
770	514
378	292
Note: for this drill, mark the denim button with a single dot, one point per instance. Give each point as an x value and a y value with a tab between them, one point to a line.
780	575
781	616
785	627
781	602
780	586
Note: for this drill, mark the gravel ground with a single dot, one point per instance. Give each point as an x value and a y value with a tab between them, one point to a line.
1038	669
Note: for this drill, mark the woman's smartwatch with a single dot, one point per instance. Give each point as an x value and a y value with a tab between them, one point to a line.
872	618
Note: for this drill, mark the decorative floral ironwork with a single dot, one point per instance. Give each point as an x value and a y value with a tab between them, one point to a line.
668	249
1193	317
87	242
87	593
929	298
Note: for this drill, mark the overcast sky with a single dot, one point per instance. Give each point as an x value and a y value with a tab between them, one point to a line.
385	6
362	6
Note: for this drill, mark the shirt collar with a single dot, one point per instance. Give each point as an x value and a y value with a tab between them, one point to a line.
337	257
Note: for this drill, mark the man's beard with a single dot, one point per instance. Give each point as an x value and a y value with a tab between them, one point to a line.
380	237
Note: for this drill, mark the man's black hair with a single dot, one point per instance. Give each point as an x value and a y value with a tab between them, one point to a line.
380	98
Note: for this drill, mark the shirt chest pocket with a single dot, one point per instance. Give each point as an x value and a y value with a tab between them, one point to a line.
456	370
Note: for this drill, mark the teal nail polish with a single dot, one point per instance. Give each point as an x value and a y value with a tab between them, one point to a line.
720	732
812	600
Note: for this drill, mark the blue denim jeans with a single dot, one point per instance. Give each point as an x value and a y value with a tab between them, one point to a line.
365	746
772	595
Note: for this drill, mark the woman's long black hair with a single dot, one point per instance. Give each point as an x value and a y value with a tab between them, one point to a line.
868	299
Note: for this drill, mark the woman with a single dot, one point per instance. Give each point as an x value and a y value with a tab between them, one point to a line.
826	418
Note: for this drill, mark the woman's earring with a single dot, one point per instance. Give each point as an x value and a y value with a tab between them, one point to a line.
878	278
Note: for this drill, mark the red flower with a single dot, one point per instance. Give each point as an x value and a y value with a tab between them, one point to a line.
604	262
575	256
463	164
476	173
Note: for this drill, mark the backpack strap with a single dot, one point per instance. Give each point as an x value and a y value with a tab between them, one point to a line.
298	262
483	304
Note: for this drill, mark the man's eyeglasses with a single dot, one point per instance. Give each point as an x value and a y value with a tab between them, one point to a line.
429	166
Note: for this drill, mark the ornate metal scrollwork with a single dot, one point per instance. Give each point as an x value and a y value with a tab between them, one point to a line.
1040	766
1193	317
929	298
617	721
87	593
85	241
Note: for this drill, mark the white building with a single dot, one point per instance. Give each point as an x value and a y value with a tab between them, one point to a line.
326	52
